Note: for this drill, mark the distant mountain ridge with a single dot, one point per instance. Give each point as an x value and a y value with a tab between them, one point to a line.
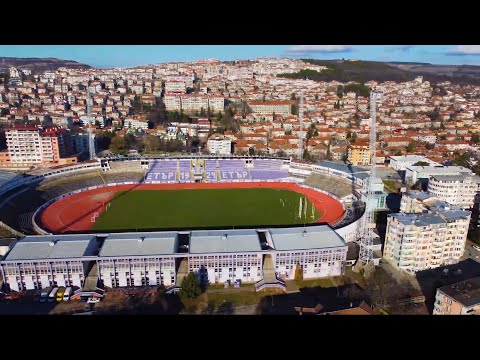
40	64
364	71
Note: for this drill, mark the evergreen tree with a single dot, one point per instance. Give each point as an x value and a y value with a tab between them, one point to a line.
298	273
190	286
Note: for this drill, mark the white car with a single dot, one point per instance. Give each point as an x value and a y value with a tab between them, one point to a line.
476	247
93	300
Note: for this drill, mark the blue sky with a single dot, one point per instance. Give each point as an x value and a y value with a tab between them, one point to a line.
132	55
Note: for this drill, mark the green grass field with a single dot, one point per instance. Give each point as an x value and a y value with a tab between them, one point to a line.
202	208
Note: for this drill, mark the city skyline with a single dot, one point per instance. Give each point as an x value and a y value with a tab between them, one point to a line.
104	56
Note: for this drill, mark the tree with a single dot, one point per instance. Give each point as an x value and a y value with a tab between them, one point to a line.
152	143
340	91
429	146
421	163
293	97
411	147
298	273
190	286
443	137
118	144
475	137
294	109
281	153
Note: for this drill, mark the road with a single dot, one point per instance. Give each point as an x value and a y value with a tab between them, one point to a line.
470	252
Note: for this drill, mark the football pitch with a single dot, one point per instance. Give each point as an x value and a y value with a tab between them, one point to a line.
162	209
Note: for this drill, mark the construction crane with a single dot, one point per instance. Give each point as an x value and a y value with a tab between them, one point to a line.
366	236
91	144
300	133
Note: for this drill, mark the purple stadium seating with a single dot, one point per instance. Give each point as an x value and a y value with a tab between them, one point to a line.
185	171
211	170
164	170
233	169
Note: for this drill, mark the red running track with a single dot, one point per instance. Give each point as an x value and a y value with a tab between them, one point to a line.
74	213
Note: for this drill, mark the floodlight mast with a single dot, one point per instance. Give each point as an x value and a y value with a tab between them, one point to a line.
366	237
300	133
91	143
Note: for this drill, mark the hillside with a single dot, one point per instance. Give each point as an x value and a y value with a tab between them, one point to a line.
363	71
38	64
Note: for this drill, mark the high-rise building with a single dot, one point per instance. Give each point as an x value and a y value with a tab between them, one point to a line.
455	189
29	145
415	242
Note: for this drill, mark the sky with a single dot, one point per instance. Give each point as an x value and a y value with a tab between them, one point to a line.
105	56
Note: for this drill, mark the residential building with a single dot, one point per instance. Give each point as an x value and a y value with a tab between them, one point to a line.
462	298
416	242
359	154
219	144
270	107
455	189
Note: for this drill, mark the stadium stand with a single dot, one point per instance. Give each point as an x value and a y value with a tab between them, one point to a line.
334	185
233	169
117	177
211	170
162	171
185	175
129	166
267	169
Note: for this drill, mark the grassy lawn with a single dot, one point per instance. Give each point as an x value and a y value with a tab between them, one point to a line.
202	208
392	186
324	282
216	301
5	233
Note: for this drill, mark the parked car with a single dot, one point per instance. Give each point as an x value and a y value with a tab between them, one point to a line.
476	247
93	300
12	296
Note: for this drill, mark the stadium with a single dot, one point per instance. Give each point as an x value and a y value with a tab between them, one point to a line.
267	208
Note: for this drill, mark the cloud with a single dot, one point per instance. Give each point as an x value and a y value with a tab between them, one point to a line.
464	50
404	48
304	49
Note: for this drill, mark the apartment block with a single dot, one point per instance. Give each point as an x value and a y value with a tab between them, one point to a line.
415	242
270	107
359	154
462	298
455	189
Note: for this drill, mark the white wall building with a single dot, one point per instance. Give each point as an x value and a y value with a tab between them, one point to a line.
415	173
400	163
37	262
154	258
219	145
135	124
416	242
455	189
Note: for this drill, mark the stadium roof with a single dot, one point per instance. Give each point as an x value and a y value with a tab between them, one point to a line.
38	247
224	241
305	238
6	176
139	244
342	167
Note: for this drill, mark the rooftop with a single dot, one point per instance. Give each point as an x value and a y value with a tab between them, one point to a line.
139	244
305	238
224	241
39	247
466	292
342	167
